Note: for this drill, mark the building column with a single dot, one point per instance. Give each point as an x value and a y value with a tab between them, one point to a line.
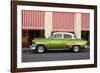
48	24
77	25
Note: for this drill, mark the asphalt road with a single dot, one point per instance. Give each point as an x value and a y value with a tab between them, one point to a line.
58	55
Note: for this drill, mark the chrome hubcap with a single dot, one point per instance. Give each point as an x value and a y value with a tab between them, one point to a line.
76	48
40	49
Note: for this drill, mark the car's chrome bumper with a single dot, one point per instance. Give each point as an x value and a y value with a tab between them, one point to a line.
32	46
86	46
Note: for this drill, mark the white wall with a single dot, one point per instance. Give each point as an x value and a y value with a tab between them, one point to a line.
5	37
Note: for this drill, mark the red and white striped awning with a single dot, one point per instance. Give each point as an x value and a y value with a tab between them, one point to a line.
85	21
63	21
32	19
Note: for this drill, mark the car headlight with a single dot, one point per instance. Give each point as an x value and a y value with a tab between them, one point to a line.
33	45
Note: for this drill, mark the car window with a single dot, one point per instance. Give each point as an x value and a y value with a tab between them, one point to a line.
66	36
57	36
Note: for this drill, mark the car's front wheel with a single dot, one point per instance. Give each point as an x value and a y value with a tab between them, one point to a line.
76	48
40	49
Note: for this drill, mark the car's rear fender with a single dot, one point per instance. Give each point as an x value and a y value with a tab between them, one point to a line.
81	43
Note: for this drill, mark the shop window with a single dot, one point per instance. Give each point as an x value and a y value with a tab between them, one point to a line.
85	35
29	35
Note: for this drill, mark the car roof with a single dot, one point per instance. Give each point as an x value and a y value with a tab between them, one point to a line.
63	33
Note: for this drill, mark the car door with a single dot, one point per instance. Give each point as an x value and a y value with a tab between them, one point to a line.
68	41
56	42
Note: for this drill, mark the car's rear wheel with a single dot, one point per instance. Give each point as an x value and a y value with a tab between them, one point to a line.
76	48
40	49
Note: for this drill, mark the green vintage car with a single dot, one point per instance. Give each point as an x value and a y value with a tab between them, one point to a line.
58	41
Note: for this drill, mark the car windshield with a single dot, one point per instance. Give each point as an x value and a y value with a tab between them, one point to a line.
51	36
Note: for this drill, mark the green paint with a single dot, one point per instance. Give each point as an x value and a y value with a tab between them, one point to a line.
59	43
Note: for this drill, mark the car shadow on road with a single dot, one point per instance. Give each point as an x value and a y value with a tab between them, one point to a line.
54	51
